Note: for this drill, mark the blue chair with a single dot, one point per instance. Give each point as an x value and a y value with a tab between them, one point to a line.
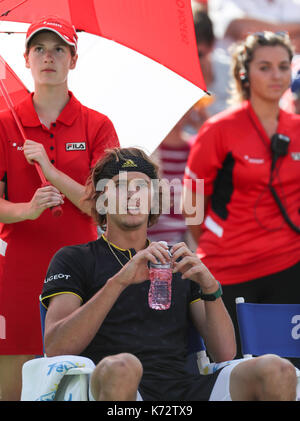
269	328
43	312
197	358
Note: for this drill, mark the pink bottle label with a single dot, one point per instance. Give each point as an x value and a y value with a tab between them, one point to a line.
160	291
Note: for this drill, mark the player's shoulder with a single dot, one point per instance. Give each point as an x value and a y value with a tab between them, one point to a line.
76	252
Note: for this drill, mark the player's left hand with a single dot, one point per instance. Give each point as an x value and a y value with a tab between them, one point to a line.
191	267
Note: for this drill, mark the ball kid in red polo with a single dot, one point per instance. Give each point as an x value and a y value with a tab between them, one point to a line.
66	139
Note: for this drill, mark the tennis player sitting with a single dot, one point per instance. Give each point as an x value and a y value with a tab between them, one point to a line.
99	308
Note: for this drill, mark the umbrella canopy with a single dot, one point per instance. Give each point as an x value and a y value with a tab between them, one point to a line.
13	85
143	98
160	30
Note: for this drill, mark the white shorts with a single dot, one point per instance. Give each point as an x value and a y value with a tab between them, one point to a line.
221	389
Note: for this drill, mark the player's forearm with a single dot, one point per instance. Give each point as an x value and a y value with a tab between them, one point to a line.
218	331
75	332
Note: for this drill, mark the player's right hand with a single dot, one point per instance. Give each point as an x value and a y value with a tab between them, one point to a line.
136	270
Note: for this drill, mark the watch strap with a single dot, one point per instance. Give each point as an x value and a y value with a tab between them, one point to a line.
213	296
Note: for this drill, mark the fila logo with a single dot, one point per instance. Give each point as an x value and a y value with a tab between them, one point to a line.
78	146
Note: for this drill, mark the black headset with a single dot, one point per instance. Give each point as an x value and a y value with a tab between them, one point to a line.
244	77
279	147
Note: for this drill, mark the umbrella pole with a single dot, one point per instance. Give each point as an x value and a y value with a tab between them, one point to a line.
56	210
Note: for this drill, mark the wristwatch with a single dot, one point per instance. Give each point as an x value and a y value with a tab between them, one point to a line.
213	296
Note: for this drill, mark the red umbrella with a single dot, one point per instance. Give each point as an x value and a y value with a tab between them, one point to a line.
17	90
162	30
12	90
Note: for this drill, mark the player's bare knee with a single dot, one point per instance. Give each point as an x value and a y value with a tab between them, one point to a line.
131	366
104	373
274	371
270	365
121	365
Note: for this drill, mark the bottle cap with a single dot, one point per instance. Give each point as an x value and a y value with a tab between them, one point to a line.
160	265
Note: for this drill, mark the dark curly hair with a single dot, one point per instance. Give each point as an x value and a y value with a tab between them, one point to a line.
99	172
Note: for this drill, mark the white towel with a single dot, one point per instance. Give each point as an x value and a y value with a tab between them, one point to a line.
43	376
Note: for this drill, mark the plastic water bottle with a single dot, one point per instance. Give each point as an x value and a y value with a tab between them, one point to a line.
160	290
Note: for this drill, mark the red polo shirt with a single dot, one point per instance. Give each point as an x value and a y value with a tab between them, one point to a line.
244	233
73	143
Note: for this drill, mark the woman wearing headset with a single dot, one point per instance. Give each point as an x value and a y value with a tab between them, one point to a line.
249	158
